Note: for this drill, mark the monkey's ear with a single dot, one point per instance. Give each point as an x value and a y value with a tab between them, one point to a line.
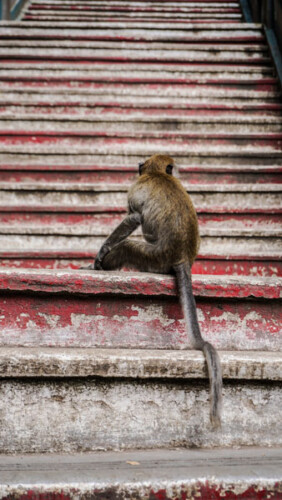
169	169
141	165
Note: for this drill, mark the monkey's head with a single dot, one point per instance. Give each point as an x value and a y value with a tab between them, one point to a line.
157	163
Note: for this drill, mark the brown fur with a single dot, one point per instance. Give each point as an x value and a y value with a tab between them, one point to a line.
169	223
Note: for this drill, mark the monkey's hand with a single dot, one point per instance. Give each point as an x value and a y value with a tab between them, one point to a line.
99	259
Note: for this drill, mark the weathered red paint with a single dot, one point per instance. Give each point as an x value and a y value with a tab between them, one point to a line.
234	267
29	17
201	490
160	84
188	108
46	135
27	59
138	37
133	8
86	282
105	168
114	175
262	84
122	209
121	317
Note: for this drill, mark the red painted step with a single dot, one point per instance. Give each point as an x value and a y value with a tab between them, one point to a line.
87	308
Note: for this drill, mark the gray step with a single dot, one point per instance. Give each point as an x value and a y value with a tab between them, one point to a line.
119	91
152	32
207	199
103	25
148	474
168	46
125	399
24	120
215	245
39	159
142	69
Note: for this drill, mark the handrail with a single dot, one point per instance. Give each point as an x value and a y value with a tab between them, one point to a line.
269	14
10	9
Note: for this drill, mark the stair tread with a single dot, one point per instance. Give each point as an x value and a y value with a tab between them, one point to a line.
156	471
134	283
135	363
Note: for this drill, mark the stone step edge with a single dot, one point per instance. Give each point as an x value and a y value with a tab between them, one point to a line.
146	474
136	284
84	254
119	187
94	167
106	363
134	24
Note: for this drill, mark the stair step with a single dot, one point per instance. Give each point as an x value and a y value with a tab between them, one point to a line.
220	71
38	13
241	33
68	308
141	364
247	48
212	159
154	123
217	246
147	474
227	175
67	223
98	187
158	92
216	27
132	22
78	393
106	198
246	265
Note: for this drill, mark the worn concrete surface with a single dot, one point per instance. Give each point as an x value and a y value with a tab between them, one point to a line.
77	415
253	472
135	364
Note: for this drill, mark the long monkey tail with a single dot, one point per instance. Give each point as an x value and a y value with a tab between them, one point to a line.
183	275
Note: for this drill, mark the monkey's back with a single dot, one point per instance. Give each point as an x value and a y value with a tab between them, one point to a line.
170	217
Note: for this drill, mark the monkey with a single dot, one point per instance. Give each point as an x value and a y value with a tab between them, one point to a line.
159	203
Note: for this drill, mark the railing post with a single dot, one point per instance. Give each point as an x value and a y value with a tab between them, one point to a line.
267	13
6	9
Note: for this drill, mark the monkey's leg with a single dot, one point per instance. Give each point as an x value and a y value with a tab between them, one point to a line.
138	254
124	229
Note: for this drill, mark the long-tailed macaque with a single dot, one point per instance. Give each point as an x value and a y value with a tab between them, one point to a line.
169	223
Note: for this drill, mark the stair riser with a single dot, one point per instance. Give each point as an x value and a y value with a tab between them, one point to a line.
48	174
38	320
69	112
231	267
109	201
122	70
197	46
152	490
203	34
219	246
60	160
113	90
70	416
102	224
151	125
125	19
148	15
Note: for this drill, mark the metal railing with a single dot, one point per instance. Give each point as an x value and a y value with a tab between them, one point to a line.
269	14
10	9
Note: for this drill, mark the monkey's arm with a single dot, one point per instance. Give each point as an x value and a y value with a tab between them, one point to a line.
124	229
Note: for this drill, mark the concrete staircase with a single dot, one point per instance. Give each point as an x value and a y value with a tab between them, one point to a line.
94	361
